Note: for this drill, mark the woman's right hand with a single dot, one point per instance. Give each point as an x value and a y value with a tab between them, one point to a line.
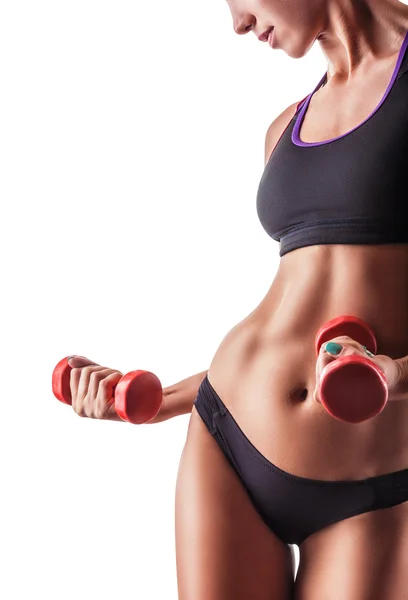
92	389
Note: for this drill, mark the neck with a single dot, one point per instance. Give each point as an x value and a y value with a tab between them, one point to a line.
359	33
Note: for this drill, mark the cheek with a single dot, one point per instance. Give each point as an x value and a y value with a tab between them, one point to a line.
267	9
290	13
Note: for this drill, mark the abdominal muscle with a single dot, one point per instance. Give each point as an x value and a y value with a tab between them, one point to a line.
265	367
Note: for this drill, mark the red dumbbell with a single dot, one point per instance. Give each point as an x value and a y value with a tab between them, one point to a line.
352	388
138	395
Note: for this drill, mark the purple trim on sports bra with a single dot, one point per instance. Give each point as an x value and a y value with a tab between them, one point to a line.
298	124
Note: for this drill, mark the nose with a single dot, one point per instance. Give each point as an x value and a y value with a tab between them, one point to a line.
244	25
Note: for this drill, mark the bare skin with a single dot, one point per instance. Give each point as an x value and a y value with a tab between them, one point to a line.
264	368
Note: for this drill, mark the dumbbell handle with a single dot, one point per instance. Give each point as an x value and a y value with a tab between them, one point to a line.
137	396
352	388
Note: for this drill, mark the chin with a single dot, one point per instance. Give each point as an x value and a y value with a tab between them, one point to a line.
296	49
300	51
296	52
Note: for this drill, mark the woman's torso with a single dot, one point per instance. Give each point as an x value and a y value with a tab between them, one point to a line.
265	364
264	368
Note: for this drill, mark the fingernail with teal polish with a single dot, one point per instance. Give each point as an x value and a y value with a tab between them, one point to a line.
333	348
368	351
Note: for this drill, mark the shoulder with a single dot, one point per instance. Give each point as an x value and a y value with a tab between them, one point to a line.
278	126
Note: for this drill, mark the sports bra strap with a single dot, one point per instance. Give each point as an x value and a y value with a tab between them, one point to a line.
301	102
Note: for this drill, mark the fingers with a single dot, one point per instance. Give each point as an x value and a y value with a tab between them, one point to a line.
80	382
90	377
80	361
104	406
349	347
92	389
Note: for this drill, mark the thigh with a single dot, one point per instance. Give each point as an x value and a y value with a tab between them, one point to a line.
224	550
361	558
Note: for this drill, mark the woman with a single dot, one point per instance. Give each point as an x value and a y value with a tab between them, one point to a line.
264	465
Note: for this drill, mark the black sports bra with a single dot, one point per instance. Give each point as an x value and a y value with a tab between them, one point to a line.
352	189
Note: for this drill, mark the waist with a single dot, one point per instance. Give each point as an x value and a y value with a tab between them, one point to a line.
318	283
264	368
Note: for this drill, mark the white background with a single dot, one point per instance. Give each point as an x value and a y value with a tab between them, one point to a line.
132	145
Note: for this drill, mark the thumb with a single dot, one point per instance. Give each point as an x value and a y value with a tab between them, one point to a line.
79	361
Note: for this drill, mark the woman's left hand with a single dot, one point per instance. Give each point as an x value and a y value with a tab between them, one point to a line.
389	366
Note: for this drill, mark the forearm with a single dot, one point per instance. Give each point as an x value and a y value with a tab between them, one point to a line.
178	399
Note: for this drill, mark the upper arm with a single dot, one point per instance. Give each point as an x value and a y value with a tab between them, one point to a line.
277	127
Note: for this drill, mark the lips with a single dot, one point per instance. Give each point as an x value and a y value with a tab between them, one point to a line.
264	36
